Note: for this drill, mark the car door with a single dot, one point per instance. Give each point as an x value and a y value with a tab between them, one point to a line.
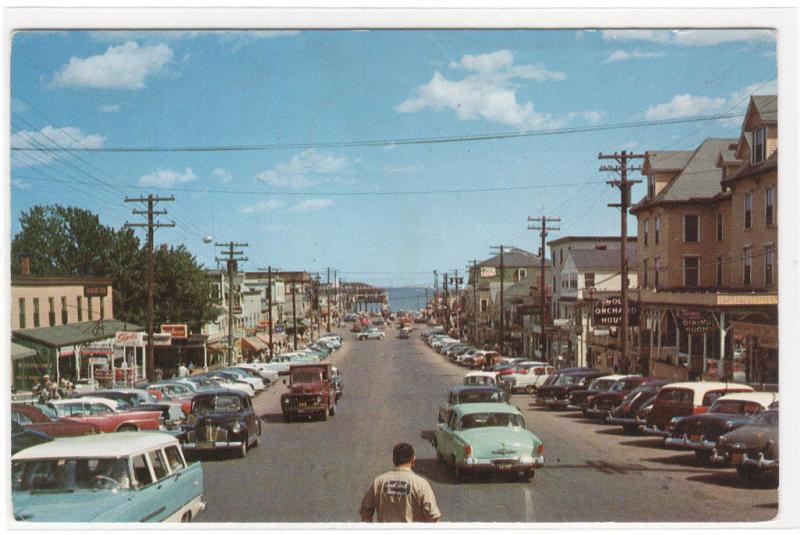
182	487
250	419
144	503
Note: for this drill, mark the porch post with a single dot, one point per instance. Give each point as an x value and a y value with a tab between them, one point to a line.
652	342
689	362
660	315
722	333
205	356
705	352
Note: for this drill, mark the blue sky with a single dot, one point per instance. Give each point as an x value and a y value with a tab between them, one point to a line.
312	208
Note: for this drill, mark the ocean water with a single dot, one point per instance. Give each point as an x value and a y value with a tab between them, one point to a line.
409	299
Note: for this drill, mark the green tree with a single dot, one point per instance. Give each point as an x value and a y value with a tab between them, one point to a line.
72	241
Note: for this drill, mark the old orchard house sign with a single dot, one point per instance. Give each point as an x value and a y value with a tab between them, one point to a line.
608	312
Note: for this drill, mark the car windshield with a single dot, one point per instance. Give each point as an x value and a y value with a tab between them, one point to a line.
621	385
212	404
478	380
767	418
66	475
306	377
47	410
567	380
730	406
490	396
490	419
601	384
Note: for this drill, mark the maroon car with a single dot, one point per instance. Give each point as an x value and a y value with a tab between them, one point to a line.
34	418
601	404
627	414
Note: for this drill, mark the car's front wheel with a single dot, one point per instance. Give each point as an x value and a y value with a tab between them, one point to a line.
457	472
242	450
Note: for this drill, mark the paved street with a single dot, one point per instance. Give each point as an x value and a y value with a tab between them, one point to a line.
318	471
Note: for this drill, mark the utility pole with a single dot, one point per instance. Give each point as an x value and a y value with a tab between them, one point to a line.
624	185
502	285
151	226
232	262
269	305
446	303
540	224
294	314
456	280
475	298
436	294
328	301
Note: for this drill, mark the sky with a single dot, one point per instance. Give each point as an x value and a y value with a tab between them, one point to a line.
383	213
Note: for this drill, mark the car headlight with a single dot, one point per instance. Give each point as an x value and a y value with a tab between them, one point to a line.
235	428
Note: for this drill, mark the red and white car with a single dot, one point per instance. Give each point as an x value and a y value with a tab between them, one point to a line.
105	415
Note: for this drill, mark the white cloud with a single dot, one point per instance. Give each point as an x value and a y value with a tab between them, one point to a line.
294	173
311	205
67	137
681	106
125	66
261	206
109	108
590	116
167	178
691	37
222	175
623	55
488	91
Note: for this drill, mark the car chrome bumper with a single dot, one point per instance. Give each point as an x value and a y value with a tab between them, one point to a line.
653	430
593	412
497	465
617	420
573	407
217	445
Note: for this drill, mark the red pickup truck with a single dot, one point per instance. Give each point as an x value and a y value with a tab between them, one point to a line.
311	392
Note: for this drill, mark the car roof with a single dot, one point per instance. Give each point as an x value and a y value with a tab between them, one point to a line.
481	374
106	445
220	391
472	388
472	408
84	399
708	386
762	398
614	377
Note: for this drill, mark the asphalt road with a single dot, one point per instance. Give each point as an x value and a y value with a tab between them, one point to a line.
318	471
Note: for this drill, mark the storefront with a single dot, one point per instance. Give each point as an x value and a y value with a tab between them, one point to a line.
755	352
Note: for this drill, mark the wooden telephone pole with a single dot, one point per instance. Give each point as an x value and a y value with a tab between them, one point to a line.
502	285
624	185
151	226
474	270
269	305
540	224
232	263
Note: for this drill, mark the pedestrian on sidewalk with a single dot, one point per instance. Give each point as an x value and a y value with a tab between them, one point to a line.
400	495
183	371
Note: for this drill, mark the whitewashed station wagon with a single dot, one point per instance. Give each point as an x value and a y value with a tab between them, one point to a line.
119	477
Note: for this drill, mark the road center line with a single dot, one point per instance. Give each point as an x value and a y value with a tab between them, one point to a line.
530	514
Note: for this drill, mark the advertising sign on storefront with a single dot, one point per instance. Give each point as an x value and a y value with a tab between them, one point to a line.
128	339
161	339
178	330
608	312
696	323
488	272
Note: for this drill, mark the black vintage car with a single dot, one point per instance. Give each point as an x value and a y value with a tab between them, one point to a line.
700	432
753	448
22	438
472	394
626	413
222	420
556	395
577	398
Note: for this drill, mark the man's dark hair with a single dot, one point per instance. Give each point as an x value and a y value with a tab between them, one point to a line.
402	453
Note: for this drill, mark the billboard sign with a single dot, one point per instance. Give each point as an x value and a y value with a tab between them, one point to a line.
128	339
608	312
178	330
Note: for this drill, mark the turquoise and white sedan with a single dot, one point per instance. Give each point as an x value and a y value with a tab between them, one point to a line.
489	437
114	477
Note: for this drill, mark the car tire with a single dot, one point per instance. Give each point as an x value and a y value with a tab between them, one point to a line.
332	410
286	418
704	456
439	456
326	415
187	517
241	451
630	429
457	472
748	474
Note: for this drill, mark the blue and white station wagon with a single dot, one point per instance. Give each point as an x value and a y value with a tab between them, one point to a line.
114	477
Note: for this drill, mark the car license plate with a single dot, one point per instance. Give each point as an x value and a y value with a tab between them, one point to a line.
695	438
737	458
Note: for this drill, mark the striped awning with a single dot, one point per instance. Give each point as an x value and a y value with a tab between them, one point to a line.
255	343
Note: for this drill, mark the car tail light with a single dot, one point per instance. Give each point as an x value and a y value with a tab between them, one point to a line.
467	450
699	410
540	449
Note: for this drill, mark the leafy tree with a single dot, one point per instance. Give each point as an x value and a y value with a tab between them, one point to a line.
72	241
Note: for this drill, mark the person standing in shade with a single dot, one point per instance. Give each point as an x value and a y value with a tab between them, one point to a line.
400	495
190	367
183	371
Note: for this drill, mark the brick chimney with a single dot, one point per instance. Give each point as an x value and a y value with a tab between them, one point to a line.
25	265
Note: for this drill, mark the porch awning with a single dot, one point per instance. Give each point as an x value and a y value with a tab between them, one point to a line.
277	338
255	343
21	352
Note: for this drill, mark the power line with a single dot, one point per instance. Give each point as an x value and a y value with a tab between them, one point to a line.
404	141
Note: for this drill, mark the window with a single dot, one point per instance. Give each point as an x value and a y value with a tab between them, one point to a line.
64	314
588	280
657	268
561	256
89	307
719	227
769	265
691	228
748	264
79	302
573	281
159	466
759	145
748	210
769	209
35	311
21	312
484	305
51	310
644	273
691	265
174	458
645	230
141	472
99	409
719	272
658	228
102	307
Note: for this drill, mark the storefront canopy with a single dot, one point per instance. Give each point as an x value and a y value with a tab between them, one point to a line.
21	352
74	333
255	343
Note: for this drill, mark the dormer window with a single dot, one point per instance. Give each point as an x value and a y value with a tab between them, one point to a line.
759	145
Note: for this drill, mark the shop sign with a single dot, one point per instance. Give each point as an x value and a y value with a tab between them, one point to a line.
95	290
696	323
767	334
66	351
161	339
98	348
99	361
488	272
178	330
608	311
128	339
